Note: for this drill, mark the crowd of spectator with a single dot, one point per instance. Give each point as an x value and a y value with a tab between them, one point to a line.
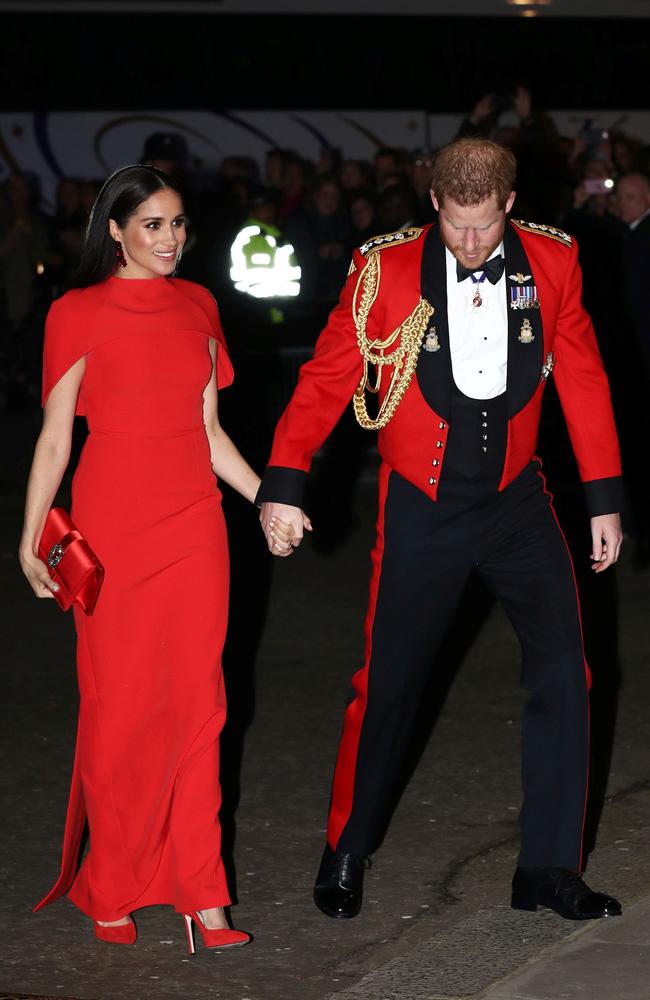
595	185
326	208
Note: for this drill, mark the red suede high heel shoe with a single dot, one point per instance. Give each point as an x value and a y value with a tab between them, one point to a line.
120	934
219	939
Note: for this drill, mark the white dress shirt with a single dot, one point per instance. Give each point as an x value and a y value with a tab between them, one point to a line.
478	335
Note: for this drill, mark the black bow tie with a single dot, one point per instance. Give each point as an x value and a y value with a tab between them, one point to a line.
493	269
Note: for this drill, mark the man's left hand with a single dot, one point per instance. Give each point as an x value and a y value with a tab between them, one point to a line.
606	540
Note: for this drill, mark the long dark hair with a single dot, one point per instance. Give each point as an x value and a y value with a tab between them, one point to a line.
118	199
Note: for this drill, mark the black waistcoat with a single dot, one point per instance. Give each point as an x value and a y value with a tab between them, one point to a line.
469	471
476	446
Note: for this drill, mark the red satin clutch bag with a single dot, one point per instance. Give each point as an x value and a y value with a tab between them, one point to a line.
71	562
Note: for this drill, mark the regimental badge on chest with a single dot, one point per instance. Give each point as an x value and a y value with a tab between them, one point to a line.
524	297
526	335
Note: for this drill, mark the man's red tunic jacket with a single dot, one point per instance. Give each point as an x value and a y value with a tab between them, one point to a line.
413	443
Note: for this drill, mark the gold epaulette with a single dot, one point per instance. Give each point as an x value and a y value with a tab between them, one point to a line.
390	240
552	232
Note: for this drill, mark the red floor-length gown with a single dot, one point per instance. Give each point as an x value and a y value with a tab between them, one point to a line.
152	701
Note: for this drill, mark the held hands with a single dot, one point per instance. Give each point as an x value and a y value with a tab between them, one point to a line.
283	527
37	575
606	541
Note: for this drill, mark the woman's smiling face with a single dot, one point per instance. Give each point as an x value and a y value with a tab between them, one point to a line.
153	236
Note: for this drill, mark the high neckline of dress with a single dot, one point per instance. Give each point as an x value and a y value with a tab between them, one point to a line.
160	279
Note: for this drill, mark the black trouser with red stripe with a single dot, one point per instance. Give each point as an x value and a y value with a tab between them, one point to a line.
424	554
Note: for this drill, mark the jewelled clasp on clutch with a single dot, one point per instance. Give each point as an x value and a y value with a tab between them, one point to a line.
55	555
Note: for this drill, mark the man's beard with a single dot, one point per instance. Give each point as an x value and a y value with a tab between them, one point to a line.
475	263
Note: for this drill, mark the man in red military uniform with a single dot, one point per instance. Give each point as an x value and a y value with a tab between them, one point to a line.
457	327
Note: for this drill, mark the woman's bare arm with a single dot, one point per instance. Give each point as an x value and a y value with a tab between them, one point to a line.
51	457
227	462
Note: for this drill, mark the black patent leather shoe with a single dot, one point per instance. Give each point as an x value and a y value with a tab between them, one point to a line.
563	891
339	884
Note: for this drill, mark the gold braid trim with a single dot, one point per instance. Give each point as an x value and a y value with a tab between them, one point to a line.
404	358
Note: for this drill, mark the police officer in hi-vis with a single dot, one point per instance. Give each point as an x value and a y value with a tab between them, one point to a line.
457	327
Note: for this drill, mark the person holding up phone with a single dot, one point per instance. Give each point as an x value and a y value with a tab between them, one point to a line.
592	193
590	220
509	116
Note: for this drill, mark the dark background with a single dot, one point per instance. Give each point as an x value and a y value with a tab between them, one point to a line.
291	648
99	61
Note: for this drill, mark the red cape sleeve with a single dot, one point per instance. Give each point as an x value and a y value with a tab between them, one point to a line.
225	370
65	343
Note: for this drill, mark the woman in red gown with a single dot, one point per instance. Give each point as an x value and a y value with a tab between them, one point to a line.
141	355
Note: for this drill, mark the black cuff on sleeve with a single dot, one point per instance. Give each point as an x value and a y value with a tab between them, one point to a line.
282	485
605	496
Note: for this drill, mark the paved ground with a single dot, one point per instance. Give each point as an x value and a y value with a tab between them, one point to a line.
436	922
610	959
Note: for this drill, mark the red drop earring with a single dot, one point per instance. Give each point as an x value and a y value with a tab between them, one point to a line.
121	259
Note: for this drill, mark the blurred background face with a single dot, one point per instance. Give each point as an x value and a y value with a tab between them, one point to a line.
395	208
69	195
351	175
230	168
420	172
274	169
632	198
385	165
472	232
294	178
362	214
153	237
265	212
327	199
18	191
